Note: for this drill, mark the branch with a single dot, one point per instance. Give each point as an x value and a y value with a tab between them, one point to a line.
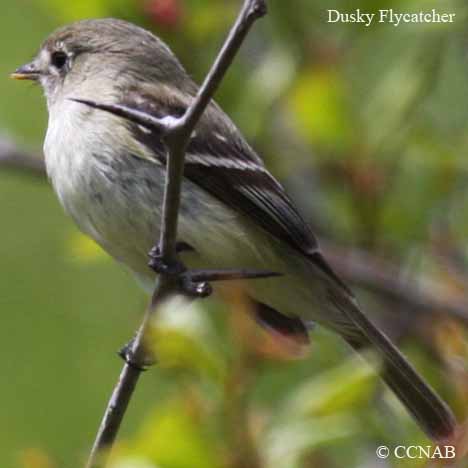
357	267
423	297
176	134
12	157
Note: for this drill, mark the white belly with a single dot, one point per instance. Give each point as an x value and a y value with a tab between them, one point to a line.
116	200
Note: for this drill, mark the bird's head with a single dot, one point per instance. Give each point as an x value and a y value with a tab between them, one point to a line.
97	55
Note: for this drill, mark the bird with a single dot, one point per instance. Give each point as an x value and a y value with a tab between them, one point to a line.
109	172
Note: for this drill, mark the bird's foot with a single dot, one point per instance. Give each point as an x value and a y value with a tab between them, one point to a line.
189	284
141	363
193	288
159	265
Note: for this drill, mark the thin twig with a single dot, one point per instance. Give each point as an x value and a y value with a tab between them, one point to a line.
135	115
251	11
200	276
12	157
182	129
176	133
123	391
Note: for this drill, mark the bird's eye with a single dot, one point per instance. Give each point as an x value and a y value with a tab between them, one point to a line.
59	59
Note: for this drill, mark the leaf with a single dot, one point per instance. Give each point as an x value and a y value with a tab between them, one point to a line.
339	389
319	106
172	437
284	445
133	462
184	338
69	11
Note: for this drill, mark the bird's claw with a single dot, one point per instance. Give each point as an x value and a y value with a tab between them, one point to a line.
141	364
187	284
193	288
158	265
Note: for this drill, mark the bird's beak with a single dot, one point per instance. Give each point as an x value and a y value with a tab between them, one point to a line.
27	72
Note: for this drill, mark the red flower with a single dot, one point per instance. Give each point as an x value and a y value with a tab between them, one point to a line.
167	13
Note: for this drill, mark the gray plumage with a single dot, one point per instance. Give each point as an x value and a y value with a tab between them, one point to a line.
108	174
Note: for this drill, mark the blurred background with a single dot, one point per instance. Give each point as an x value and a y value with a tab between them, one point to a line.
368	129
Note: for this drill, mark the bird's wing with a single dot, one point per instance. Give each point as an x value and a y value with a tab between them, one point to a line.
220	161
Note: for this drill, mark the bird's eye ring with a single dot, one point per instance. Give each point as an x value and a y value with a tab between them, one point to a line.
59	59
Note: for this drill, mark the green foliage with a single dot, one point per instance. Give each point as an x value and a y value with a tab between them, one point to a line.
212	417
369	123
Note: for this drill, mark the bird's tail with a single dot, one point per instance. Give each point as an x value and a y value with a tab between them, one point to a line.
433	415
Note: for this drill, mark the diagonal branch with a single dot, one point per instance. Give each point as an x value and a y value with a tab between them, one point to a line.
176	133
425	298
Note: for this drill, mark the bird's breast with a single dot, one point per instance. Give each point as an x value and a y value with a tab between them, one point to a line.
101	185
114	193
